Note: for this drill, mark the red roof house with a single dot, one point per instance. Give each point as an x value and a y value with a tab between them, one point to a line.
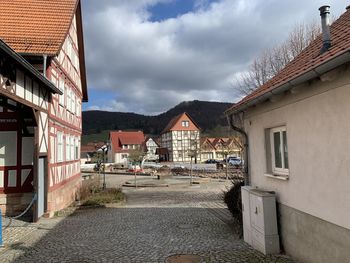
122	142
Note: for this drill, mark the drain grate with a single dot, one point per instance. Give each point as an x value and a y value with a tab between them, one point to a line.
183	258
187	226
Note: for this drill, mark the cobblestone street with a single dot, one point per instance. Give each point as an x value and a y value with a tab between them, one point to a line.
153	224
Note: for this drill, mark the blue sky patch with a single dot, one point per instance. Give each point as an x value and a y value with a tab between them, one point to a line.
174	8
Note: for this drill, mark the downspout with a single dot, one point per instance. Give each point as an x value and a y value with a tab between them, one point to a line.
45	64
245	144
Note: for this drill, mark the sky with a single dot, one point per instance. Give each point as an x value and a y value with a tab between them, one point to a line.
146	56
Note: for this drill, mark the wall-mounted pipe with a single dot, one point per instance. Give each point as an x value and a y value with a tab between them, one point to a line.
45	64
245	144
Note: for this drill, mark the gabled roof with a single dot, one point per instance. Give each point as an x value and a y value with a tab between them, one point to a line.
207	141
174	123
120	138
19	60
37	27
147	138
309	64
91	147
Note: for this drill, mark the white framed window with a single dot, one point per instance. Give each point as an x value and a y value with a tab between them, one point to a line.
76	149
279	150
72	148
69	99
185	123
59	146
61	87
73	109
67	147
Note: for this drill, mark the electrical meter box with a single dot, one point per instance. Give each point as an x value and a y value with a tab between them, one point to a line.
260	220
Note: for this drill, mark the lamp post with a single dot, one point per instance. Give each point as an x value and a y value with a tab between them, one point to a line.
104	150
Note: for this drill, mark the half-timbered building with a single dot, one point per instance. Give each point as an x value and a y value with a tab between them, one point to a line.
50	38
181	138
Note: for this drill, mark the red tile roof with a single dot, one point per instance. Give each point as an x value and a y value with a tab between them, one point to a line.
174	124
120	138
91	147
309	59
36	26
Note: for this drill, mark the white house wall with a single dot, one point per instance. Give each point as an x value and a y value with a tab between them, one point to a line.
316	117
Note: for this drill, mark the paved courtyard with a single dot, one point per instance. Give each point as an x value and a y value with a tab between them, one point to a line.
151	226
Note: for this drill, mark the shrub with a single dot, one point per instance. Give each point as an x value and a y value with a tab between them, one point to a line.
233	199
88	187
112	195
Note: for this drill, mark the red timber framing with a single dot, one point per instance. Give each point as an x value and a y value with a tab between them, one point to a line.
65	118
25	96
58	120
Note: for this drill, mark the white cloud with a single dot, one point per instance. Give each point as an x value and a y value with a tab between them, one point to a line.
154	65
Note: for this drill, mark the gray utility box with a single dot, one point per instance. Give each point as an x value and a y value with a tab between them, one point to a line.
260	220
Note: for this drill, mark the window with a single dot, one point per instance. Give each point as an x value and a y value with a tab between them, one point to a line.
279	150
67	147
59	146
76	149
73	109
185	123
72	148
69	101
61	87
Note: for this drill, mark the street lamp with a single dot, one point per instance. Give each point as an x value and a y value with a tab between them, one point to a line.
104	149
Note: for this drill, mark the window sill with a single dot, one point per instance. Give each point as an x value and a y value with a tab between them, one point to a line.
279	177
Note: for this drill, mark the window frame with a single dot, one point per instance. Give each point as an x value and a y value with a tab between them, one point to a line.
61	98
60	147
278	170
185	124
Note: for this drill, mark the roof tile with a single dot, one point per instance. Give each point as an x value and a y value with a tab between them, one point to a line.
36	26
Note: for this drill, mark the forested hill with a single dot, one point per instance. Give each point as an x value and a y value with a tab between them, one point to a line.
207	115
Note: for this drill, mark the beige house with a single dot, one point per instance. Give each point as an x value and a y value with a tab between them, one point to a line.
180	139
218	148
298	129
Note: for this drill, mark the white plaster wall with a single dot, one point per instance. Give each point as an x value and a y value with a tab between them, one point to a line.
317	118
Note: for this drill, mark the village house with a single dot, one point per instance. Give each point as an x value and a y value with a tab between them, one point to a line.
45	161
121	143
219	148
150	148
180	139
91	149
297	126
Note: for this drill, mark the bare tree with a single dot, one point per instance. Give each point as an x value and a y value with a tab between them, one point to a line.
136	156
272	60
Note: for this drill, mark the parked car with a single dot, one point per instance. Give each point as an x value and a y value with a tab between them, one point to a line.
235	161
212	161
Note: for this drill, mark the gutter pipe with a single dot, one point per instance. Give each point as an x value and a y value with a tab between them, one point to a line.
245	143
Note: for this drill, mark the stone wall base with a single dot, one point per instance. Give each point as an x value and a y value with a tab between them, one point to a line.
14	204
63	196
311	239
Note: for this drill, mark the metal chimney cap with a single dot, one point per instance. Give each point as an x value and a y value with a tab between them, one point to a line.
324	9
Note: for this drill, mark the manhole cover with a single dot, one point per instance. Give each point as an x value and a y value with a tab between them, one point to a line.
187	226
183	259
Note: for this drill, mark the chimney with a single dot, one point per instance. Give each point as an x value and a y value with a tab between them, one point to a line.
326	35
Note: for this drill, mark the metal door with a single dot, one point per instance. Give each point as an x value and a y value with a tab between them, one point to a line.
41	186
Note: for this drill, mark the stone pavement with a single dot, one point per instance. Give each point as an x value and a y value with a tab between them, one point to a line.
153	224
